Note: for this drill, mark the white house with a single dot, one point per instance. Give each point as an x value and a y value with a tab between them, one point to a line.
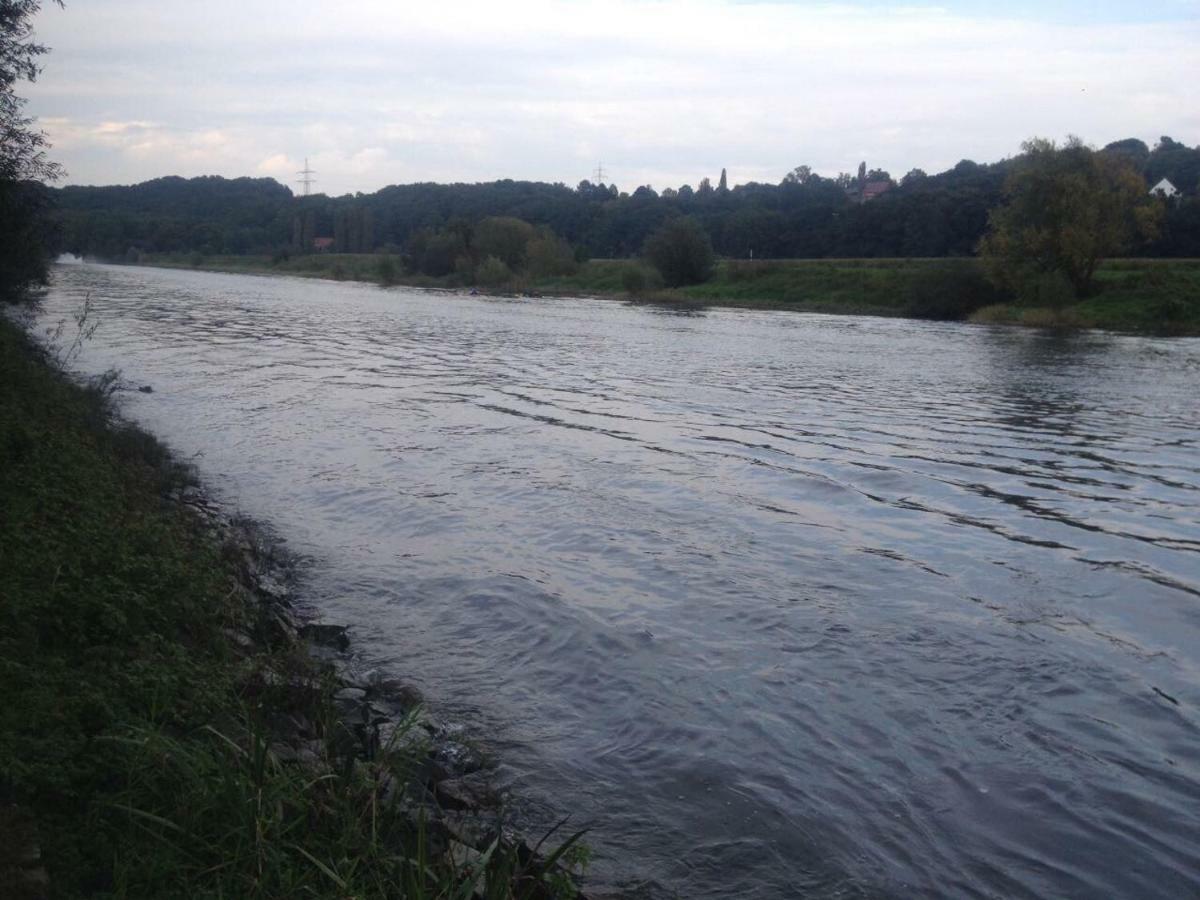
1165	189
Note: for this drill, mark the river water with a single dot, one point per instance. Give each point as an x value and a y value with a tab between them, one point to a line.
781	605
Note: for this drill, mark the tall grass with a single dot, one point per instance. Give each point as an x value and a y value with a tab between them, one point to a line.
148	755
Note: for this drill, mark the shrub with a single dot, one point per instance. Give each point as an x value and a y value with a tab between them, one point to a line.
681	251
434	253
492	272
505	238
386	270
464	268
951	290
1047	289
637	278
550	255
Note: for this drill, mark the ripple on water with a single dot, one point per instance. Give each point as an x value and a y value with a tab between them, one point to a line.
784	605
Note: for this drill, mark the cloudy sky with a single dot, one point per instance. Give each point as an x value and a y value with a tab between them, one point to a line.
663	92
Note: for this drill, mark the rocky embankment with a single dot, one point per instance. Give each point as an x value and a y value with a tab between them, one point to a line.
326	713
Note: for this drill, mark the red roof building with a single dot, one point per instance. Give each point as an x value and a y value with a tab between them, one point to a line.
873	189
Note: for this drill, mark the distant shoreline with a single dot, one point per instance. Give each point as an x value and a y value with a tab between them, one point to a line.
1143	296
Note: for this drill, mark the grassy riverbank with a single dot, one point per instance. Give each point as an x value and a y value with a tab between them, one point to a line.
155	700
1154	296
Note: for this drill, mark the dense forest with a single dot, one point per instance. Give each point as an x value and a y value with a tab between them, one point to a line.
805	215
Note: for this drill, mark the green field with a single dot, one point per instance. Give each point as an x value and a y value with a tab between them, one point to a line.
1155	296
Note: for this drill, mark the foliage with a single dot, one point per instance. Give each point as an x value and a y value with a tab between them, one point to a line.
505	238
435	253
1066	209
387	271
681	251
550	255
209	215
805	216
637	278
1131	292
22	150
493	272
950	290
25	236
112	608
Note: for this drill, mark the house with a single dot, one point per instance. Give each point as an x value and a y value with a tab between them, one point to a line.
1165	189
873	189
322	244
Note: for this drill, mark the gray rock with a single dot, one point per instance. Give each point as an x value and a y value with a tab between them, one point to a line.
270	587
469	792
453	759
333	636
240	639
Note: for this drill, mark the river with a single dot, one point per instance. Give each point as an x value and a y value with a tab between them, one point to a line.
780	605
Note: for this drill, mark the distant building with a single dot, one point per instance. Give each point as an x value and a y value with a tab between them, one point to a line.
873	189
1165	189
323	245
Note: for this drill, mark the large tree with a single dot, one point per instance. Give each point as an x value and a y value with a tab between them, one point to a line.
1065	209
24	238
681	251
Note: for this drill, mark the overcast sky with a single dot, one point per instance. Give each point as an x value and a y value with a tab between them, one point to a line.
662	92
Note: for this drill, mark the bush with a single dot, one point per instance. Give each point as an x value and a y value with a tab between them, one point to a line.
25	239
464	268
681	251
950	291
505	238
492	272
1049	289
386	270
549	255
434	253
637	278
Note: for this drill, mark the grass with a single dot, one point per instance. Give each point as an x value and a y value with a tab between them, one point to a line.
1150	296
1155	296
141	747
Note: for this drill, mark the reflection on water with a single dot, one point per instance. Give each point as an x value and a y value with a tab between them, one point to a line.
782	604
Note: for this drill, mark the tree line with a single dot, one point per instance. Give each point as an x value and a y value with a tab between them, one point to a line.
26	226
805	215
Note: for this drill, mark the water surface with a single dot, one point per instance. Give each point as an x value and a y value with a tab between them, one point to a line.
783	605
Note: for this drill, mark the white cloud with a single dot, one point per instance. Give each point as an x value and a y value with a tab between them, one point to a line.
663	92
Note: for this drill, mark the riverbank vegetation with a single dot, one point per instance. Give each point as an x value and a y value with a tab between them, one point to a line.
164	733
1043	223
871	214
27	231
1142	295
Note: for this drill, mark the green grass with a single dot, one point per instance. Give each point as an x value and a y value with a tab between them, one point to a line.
138	742
1149	296
1157	296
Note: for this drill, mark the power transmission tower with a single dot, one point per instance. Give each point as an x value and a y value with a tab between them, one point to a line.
307	180
600	176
